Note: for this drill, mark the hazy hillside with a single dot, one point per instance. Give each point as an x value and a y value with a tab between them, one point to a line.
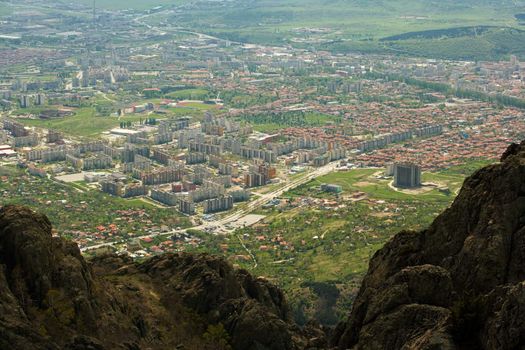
373	18
339	25
350	25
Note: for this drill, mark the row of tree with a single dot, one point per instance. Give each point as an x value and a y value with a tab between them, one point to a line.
290	119
503	100
148	121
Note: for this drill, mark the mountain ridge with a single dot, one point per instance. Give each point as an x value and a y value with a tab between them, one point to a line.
456	284
51	298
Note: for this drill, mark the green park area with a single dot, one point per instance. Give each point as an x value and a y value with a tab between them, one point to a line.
87	123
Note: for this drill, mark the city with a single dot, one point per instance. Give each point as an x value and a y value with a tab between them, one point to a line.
139	135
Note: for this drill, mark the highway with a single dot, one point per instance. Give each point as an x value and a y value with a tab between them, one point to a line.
230	219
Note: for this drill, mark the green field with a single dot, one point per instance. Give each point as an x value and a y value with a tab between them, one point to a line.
189	94
365	180
198	106
5	9
359	17
85	123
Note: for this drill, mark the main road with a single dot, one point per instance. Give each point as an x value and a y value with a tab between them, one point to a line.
239	214
265	198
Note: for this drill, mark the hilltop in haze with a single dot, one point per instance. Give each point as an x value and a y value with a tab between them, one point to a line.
342	26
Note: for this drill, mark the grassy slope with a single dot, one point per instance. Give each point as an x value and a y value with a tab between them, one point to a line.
356	17
346	237
352	21
496	43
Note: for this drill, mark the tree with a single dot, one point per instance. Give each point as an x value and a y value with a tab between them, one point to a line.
217	338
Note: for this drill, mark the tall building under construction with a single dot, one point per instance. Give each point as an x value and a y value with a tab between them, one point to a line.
407	175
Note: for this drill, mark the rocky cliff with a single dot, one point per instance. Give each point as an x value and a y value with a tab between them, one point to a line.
458	284
51	298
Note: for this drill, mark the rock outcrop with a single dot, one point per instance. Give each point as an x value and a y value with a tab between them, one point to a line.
460	284
51	298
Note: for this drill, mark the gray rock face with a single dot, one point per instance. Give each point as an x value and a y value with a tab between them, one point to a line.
51	298
253	311
458	284
38	272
